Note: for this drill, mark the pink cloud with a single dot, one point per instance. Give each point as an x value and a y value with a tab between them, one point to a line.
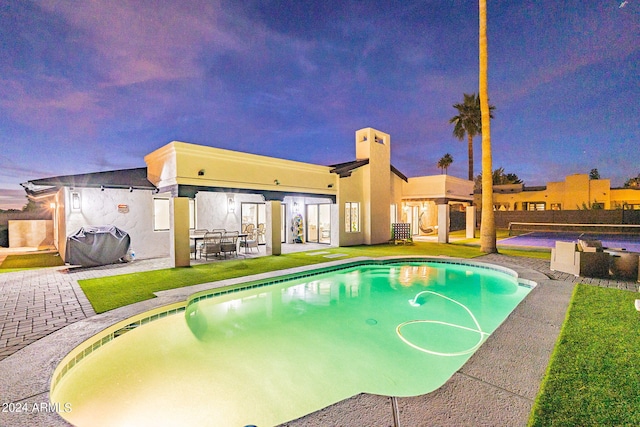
141	41
59	105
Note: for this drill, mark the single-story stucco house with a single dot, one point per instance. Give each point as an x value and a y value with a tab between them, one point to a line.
186	186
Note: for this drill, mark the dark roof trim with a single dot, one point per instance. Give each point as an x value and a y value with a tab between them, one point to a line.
534	188
190	191
344	170
123	178
399	174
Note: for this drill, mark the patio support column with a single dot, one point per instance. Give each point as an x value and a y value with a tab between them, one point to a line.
471	222
443	223
274	224
179	251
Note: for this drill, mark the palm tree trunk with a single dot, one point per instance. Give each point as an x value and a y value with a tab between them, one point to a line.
470	143
488	223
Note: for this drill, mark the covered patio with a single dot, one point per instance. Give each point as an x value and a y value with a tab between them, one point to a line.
205	189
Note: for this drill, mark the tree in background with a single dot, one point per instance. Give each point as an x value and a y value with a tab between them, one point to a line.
499	177
31	206
445	162
594	174
633	182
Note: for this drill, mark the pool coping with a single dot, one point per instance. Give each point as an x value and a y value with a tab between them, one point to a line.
29	371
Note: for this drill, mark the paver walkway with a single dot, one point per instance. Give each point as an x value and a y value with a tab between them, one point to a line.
35	303
542	266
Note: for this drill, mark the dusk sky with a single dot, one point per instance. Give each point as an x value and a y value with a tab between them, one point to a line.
88	86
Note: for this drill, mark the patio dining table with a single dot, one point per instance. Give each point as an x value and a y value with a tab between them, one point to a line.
197	237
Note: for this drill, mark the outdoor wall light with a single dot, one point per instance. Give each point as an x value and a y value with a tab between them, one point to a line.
52	205
231	204
76	203
130	189
276	182
102	188
201	172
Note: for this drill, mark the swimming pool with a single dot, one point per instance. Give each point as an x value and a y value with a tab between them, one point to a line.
628	241
270	352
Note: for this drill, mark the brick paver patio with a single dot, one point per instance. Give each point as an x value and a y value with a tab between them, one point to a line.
35	303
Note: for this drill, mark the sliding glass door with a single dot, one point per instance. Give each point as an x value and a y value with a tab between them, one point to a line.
319	223
254	217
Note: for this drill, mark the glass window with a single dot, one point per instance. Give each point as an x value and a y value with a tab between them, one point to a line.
192	214
352	217
161	219
536	206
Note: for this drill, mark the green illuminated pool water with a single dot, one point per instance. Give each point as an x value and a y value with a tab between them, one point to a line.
271	354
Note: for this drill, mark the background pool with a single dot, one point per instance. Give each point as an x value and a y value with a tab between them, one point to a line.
628	241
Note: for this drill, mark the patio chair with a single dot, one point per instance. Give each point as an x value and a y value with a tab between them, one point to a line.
251	241
197	245
249	228
568	257
211	245
230	243
260	237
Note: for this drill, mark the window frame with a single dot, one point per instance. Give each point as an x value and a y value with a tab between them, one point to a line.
157	208
351	226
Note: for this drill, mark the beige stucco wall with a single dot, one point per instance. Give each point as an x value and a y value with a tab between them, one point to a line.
181	163
376	184
350	190
30	233
624	196
396	194
101	208
515	201
438	187
575	192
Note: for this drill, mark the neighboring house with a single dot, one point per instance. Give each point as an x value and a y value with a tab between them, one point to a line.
576	192
187	186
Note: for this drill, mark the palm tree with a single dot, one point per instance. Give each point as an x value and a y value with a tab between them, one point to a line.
468	123
445	162
488	223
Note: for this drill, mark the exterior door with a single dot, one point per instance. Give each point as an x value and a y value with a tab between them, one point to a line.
319	223
415	220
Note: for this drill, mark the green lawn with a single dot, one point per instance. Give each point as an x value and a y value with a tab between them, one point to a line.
593	378
112	292
108	293
30	260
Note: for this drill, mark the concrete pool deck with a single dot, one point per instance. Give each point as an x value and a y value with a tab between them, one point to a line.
496	386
